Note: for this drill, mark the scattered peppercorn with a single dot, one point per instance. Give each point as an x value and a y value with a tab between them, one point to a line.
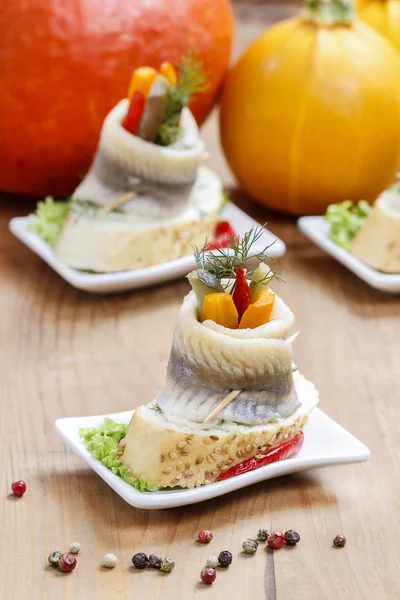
155	561
205	536
18	488
250	546
262	535
74	547
339	541
291	537
67	563
54	558
212	562
140	561
109	561
208	575
276	540
167	565
225	559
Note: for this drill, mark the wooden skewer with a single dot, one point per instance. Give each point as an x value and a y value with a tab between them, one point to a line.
291	339
117	202
235	393
224	402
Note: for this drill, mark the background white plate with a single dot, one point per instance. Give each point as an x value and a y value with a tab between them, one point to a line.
130	280
316	229
325	443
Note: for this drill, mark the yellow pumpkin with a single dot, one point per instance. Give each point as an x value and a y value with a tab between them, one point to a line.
384	16
310	114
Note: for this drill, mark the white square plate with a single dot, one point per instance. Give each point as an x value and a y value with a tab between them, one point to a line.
316	229
105	283
325	443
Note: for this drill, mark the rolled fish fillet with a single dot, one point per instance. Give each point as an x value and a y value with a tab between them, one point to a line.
162	177
120	241
208	360
168	442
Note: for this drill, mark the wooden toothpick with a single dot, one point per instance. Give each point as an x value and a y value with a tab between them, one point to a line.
291	339
117	203
224	402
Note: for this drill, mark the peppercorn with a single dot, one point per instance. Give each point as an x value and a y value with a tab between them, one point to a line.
291	537
205	536
18	488
339	541
225	559
167	565
208	575
250	546
109	561
67	563
262	535
140	561
54	558
155	561
74	547
276	540
212	562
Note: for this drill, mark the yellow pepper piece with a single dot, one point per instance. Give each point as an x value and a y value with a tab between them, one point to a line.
219	307
168	70
142	80
258	313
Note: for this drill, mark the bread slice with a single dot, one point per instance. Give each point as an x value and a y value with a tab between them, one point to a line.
377	243
171	455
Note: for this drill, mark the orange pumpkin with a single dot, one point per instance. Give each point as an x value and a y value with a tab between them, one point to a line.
63	66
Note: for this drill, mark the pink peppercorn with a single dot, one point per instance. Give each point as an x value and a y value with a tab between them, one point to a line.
205	536
67	563
276	540
18	488
208	575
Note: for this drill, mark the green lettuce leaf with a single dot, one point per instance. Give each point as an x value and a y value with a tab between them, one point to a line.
346	219
48	219
102	442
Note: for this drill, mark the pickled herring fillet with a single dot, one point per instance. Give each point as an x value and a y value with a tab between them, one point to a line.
205	365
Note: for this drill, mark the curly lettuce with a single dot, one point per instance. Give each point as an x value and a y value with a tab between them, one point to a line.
102	442
346	219
49	218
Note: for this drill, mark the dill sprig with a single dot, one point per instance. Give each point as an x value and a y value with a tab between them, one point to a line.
191	80
157	409
223	262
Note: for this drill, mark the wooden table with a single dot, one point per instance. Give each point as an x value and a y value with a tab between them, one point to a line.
66	353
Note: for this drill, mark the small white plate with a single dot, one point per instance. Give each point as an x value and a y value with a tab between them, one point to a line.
316	229
106	283
325	443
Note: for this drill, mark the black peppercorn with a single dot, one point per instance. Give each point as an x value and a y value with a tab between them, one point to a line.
225	558
140	561
291	537
155	561
339	541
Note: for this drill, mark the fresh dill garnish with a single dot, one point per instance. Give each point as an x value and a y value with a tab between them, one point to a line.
223	262
191	80
156	409
294	368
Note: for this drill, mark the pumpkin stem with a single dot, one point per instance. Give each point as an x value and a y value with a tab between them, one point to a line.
329	12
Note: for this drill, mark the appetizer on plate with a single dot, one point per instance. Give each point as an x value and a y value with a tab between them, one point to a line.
370	234
233	399
146	199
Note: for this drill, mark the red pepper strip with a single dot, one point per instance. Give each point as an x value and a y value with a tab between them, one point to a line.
241	295
223	236
224	228
135	112
280	452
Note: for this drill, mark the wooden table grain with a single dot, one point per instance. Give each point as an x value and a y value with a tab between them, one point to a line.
65	353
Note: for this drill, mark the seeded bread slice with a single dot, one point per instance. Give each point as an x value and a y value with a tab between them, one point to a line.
171	455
